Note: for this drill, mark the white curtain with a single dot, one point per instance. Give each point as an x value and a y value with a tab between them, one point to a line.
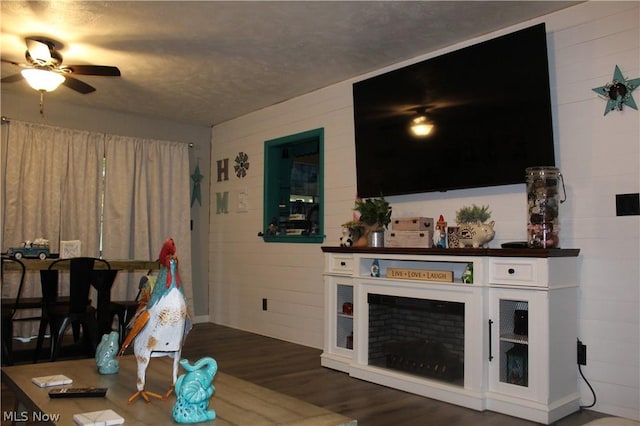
53	187
50	175
49	181
146	202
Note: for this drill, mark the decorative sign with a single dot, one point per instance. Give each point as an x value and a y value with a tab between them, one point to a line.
243	201
242	164
222	202
223	169
420	275
618	92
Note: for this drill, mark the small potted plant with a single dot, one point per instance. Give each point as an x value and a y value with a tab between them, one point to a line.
472	227
375	216
374	212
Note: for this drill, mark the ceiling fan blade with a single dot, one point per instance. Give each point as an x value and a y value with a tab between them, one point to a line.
12	78
103	70
78	86
38	50
13	63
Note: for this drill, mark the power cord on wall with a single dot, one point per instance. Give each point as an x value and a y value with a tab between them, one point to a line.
592	391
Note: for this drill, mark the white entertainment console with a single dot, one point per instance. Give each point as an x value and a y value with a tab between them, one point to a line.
508	338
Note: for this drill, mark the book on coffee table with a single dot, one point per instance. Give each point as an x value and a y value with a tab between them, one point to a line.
52	380
98	418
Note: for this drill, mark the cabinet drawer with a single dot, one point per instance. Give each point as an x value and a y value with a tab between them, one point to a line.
514	272
341	264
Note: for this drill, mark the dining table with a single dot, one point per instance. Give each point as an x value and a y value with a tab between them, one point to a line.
119	264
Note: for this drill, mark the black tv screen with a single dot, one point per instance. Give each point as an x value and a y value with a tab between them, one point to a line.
491	110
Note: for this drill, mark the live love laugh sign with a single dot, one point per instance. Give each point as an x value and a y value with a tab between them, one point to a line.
420	274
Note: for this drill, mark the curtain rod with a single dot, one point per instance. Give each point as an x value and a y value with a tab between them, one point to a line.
5	120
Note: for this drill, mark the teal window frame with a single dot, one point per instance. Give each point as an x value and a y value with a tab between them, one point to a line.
278	161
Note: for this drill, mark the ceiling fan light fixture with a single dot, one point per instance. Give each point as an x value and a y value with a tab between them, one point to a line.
421	127
43	80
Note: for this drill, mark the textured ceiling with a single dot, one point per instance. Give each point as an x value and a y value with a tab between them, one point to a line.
206	62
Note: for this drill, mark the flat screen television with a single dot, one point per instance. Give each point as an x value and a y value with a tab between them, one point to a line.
491	110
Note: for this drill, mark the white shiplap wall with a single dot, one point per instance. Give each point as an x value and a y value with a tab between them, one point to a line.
599	157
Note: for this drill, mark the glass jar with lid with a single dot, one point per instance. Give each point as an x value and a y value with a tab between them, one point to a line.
543	205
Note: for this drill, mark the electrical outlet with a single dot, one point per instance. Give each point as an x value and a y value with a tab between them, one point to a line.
582	353
264	304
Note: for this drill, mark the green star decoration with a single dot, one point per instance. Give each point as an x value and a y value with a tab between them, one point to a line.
618	92
196	177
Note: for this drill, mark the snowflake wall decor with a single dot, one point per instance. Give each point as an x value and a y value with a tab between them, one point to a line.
242	164
618	92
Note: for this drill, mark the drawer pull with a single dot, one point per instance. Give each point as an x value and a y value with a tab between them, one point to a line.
343	263
511	271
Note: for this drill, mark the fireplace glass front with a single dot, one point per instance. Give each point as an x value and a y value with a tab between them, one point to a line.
421	337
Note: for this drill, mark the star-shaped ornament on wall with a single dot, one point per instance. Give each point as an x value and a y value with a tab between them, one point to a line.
242	164
196	177
618	92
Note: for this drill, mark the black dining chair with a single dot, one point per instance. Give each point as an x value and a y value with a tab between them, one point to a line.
78	312
102	280
10	305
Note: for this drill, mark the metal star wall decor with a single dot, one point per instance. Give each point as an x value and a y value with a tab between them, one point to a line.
196	177
242	164
618	92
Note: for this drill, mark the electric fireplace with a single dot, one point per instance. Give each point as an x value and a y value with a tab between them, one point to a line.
422	337
485	345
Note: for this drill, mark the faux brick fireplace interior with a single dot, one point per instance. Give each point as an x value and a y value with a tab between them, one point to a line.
418	336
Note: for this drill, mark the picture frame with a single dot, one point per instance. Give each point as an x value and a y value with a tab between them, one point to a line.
70	248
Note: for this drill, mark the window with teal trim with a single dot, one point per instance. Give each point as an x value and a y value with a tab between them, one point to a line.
293	188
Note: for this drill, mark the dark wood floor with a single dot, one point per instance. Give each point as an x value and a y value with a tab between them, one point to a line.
295	370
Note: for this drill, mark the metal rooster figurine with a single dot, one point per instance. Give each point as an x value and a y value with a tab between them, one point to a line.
161	322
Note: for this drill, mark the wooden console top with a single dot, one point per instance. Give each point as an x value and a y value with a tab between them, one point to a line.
491	252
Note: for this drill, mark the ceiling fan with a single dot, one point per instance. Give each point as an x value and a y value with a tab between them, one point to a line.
44	60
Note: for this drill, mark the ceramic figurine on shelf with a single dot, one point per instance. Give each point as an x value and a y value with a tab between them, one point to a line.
475	234
346	239
440	233
161	324
375	268
106	354
193	391
353	234
467	275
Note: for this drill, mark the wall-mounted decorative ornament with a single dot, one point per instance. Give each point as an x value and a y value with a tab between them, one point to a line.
196	177
223	169
222	202
242	164
243	201
618	92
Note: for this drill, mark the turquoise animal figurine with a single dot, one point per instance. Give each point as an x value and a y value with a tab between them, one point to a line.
106	354
193	391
